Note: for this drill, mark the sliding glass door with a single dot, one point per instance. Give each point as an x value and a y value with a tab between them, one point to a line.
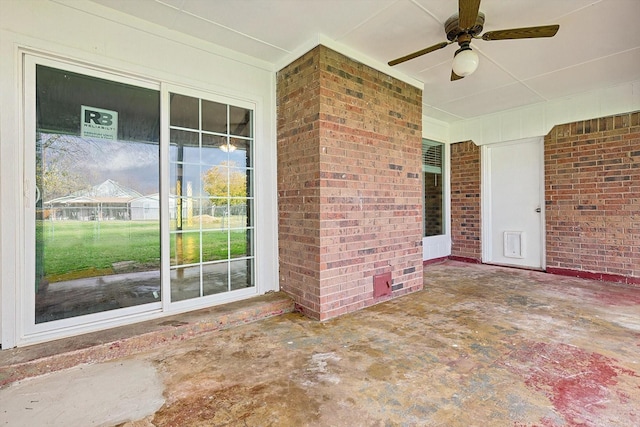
143	198
211	226
97	216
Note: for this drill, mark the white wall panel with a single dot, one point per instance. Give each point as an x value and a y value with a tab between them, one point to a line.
490	129
532	121
436	247
619	97
539	119
435	130
510	125
555	112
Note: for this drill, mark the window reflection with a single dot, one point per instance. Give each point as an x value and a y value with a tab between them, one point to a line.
97	217
433	188
210	221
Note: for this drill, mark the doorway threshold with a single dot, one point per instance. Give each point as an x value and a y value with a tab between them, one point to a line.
519	267
38	359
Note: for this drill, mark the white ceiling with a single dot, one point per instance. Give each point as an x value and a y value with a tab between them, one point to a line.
597	46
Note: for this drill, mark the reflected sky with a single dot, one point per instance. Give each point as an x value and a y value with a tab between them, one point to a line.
132	164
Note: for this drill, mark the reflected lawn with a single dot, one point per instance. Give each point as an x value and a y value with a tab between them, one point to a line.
216	245
78	249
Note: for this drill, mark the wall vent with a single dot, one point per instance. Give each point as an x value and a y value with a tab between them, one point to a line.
382	285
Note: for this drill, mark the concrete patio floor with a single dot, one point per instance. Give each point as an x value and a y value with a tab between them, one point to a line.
480	346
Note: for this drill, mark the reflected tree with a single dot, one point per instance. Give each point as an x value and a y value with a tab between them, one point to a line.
226	180
58	166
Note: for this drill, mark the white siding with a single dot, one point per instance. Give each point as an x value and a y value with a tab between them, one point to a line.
539	119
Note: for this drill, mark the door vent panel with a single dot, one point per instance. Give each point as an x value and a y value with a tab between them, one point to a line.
514	244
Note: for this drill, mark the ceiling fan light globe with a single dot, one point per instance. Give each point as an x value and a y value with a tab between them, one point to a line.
465	62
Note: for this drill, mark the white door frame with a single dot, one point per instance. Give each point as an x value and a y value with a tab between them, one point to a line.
486	213
435	247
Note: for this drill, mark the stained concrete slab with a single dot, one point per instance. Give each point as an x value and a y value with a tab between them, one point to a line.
480	346
88	395
123	341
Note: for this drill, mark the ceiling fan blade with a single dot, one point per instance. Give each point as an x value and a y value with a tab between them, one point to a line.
468	13
522	33
418	53
455	77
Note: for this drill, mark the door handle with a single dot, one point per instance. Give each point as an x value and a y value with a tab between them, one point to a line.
538	210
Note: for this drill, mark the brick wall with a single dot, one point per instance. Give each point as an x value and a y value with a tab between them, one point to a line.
592	197
299	180
465	202
349	183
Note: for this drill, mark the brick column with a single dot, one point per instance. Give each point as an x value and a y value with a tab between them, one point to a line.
349	183
465	202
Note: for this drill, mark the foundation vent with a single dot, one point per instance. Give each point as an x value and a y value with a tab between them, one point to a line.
382	285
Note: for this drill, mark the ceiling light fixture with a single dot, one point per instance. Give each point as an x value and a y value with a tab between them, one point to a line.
228	148
465	61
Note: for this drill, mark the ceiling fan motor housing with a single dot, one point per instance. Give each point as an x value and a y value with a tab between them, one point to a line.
453	30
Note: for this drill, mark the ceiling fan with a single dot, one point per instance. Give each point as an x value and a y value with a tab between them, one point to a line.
466	25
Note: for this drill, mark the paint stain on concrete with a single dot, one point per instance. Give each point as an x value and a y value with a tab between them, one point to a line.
582	386
615	296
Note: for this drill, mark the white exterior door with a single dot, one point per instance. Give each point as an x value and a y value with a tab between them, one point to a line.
513	203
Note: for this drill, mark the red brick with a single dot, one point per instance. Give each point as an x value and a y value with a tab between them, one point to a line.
605	243
465	201
357	133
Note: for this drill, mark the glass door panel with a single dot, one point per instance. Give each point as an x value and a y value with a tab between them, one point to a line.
241	276
210	169
215	277
97	219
